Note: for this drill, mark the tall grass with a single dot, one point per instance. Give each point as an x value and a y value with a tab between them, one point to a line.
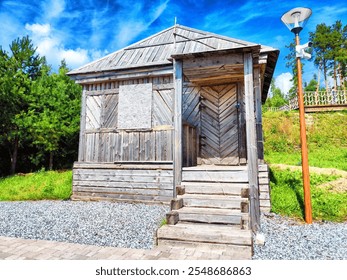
37	186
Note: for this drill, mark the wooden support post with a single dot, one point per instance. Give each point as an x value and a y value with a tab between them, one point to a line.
251	139
258	113
82	140
177	156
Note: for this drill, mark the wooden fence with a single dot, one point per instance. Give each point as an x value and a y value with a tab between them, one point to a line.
324	99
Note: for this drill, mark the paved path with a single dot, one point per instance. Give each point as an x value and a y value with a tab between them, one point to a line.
28	249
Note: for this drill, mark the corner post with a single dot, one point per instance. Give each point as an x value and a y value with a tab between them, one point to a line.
177	151
81	145
258	112
251	139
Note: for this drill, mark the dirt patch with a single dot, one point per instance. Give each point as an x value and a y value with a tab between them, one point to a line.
339	185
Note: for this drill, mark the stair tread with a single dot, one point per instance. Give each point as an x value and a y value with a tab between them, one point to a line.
213	188
210	211
211	167
212	227
210	251
219	234
212	196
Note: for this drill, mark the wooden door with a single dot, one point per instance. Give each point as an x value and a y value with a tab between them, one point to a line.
219	125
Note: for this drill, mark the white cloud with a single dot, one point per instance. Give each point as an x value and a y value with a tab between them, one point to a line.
283	82
51	46
39	29
52	8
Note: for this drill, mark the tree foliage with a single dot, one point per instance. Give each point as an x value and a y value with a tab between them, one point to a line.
53	112
39	110
19	68
277	98
330	54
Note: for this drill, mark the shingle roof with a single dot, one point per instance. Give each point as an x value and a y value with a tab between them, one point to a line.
158	48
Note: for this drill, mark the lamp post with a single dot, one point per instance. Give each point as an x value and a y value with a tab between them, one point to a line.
295	20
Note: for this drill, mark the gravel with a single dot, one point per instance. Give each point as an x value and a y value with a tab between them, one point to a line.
287	239
94	223
134	226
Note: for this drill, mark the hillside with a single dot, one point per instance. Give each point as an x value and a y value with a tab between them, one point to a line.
327	145
326	137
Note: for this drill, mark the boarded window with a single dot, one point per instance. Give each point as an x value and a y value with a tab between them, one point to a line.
135	106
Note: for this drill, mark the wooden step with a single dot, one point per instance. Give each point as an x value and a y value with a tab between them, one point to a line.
203	233
221	251
211	215
231	176
212	201
214	188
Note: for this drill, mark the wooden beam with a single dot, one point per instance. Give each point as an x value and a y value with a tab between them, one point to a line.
81	145
251	139
177	154
213	61
258	113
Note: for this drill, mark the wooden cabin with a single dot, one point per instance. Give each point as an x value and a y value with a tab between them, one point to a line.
176	114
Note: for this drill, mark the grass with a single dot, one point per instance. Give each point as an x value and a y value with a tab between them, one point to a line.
37	186
327	148
326	138
287	196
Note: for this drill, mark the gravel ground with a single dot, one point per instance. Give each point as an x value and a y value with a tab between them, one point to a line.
93	223
134	225
287	239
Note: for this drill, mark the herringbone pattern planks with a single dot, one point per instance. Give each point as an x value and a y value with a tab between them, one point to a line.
219	125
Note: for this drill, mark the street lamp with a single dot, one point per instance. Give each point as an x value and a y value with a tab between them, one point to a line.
295	20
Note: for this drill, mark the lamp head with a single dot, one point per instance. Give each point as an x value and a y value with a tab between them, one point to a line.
296	19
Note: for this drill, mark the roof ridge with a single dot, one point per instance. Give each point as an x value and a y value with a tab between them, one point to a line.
155	48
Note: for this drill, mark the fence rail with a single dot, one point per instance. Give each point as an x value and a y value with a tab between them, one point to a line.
316	99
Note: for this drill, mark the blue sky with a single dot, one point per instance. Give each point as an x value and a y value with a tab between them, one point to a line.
80	31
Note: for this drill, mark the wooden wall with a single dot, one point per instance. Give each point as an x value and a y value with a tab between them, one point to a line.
123	182
101	140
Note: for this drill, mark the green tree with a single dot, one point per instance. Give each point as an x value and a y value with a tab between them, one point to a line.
53	112
321	40
312	85
18	69
277	98
329	43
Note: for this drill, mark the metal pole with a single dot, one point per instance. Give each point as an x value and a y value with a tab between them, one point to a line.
304	153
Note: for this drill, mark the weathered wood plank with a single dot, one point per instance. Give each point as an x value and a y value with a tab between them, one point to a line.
82	137
209	215
121	172
177	159
120	197
252	153
212	234
221	61
212	201
216	188
122	185
233	252
122	191
215	176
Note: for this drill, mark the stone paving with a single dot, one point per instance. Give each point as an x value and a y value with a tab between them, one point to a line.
29	249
